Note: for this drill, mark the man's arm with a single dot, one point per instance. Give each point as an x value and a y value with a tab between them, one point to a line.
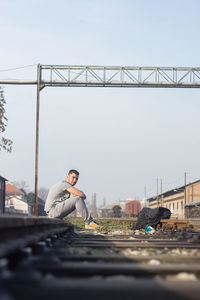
76	192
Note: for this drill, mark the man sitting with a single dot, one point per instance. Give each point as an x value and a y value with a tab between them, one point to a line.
64	198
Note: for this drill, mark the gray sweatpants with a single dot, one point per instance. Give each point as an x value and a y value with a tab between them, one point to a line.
64	208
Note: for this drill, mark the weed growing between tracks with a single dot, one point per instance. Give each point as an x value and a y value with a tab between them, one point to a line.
105	226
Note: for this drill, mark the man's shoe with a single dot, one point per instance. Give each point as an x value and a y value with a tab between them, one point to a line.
91	225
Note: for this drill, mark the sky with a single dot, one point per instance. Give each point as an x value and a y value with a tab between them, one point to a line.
120	139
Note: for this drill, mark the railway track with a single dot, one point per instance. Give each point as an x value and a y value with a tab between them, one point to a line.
44	258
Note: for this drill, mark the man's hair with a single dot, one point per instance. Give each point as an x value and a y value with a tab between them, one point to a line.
73	171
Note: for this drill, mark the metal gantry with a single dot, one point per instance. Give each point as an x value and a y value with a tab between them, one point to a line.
102	76
105	76
114	76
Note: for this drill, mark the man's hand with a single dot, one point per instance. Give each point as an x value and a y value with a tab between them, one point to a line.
84	197
75	192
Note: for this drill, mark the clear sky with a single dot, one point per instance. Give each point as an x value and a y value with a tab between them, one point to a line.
119	139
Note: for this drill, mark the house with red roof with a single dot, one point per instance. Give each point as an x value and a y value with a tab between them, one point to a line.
15	201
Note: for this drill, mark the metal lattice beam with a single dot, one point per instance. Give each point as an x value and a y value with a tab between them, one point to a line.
102	76
105	76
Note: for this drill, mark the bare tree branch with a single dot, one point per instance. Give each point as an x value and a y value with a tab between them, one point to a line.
5	143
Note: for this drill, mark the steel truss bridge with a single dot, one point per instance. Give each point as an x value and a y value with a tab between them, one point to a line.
102	76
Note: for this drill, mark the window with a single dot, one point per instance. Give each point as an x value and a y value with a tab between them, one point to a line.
177	207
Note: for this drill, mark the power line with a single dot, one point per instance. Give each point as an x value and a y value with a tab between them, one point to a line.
194	178
13	69
174	181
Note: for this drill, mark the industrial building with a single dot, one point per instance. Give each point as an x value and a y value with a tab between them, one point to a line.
183	202
133	208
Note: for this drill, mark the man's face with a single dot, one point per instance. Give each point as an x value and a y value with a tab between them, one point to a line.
72	178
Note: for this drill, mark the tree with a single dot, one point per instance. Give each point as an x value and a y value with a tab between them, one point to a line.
21	185
5	143
30	198
43	193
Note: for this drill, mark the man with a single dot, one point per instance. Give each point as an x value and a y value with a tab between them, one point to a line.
64	198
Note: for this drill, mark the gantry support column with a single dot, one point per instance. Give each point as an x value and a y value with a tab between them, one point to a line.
35	207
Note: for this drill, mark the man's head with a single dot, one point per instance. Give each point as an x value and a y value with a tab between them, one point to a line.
72	177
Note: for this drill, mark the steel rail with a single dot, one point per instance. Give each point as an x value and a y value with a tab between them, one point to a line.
13	246
111	288
137	245
146	242
121	258
31	229
77	269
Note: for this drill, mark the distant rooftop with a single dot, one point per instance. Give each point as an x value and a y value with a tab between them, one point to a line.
173	191
12	190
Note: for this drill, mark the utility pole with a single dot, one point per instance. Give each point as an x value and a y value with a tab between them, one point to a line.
184	208
157	192
94	202
35	207
145	195
161	192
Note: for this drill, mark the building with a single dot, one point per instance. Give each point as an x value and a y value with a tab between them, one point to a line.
132	208
15	200
182	201
193	210
2	194
107	211
114	210
122	204
117	211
